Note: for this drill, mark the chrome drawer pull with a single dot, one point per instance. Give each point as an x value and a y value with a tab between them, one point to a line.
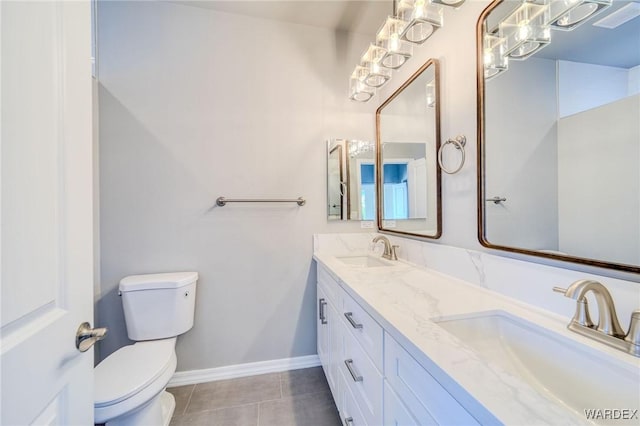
348	421
354	375
349	317
321	305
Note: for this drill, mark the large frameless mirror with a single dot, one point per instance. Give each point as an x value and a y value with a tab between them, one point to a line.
351	180
559	130
408	138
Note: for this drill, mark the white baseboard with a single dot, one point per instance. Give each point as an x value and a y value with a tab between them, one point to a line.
192	377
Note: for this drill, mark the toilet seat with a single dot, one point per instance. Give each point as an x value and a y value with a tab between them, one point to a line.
132	376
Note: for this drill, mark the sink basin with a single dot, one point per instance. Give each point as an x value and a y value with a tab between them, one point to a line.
574	374
363	261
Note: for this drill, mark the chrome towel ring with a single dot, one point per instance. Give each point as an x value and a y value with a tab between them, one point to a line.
459	142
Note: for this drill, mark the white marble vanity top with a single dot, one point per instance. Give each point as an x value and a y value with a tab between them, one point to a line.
407	300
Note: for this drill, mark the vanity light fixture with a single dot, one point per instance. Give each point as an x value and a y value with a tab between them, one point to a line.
568	14
422	17
494	59
450	3
375	75
357	147
430	89
525	31
358	90
412	22
397	51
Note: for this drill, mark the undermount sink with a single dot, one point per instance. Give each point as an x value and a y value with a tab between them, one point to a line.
363	261
574	374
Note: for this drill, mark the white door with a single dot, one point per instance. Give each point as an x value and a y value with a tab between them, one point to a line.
417	188
46	212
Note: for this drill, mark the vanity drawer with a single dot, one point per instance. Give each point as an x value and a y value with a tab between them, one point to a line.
349	412
364	328
425	398
395	412
363	379
330	286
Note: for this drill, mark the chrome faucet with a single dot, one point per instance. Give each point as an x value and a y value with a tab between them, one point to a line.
389	250
608	330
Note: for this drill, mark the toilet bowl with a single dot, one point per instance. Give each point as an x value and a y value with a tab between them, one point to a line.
130	383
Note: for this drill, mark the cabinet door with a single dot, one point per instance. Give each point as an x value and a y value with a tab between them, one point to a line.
322	329
334	348
396	413
350	413
420	392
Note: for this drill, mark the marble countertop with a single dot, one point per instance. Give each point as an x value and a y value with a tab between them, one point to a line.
406	299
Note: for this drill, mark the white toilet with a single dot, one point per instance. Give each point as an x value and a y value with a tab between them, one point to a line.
130	383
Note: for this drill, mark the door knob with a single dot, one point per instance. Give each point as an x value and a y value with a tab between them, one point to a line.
87	336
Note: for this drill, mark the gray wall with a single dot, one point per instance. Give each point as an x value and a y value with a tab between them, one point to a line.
522	155
602	197
197	104
178	129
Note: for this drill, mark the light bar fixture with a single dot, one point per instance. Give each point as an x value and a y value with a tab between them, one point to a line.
412	22
358	90
568	14
376	74
397	51
430	90
422	18
525	30
494	58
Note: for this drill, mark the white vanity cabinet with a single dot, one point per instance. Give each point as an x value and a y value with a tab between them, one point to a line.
373	379
329	338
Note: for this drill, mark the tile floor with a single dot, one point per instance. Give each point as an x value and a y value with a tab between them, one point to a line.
291	398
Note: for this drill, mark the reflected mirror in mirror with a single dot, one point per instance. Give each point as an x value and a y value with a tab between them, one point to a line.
408	137
351	191
559	140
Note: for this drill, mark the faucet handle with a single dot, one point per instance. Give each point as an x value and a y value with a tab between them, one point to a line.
633	335
581	316
394	255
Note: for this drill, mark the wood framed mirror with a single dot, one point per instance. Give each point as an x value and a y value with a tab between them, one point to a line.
558	132
407	143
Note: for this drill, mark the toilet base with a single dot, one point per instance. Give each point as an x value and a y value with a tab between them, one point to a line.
158	411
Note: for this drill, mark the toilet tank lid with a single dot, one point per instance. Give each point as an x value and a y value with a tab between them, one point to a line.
157	281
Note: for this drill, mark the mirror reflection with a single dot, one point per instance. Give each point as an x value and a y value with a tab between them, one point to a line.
408	137
351	174
560	140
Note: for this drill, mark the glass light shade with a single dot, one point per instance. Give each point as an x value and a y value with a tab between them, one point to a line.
358	91
397	51
450	3
422	18
376	74
430	90
568	14
373	54
494	58
525	31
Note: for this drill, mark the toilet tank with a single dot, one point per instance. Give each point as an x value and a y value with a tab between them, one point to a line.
158	306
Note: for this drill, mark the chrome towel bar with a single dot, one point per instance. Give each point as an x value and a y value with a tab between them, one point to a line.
222	201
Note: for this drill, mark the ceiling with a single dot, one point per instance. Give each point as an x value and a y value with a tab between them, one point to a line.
618	47
360	16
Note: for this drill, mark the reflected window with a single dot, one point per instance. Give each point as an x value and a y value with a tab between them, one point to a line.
396	198
368	191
